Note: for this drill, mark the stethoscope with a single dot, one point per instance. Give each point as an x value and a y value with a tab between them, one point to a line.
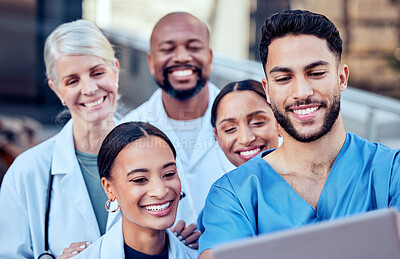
47	254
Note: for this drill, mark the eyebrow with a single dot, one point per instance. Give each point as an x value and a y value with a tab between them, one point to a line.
171	42
288	70
255	113
75	74
248	116
169	164
315	64
145	170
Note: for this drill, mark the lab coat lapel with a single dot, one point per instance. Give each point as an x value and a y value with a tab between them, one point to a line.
112	218
72	183
113	242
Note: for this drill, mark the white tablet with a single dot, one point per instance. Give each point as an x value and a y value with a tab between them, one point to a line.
372	235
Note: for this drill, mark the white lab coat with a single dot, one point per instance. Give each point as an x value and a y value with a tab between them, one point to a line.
23	201
207	163
111	245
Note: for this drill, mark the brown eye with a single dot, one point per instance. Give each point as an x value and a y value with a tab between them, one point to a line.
139	180
170	174
71	82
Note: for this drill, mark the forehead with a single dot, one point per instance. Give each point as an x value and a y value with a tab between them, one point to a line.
140	154
180	27
247	100
74	64
298	50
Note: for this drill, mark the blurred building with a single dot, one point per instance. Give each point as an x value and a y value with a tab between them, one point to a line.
370	29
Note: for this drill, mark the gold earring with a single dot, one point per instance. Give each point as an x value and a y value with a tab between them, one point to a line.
108	207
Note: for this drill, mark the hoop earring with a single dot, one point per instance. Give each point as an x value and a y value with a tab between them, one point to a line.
108	207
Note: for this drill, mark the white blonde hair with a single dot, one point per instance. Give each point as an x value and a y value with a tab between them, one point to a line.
76	38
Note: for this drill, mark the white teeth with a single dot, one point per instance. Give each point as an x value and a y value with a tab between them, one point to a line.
157	207
250	152
305	111
94	103
182	72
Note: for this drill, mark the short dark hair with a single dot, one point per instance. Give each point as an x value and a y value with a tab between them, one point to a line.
249	84
297	22
120	137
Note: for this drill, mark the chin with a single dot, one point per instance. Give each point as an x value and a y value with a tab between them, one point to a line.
163	225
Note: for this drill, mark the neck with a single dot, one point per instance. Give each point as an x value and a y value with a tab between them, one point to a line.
313	159
88	137
190	109
147	241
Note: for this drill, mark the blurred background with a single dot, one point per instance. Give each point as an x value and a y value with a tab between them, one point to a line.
28	109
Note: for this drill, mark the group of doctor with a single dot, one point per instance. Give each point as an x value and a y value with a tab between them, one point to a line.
54	194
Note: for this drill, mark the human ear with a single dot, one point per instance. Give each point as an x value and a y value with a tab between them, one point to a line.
343	77
264	82
216	135
108	188
116	64
211	58
150	63
53	88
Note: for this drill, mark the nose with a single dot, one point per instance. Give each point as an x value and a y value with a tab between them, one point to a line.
182	55
301	89
158	189
88	86
246	136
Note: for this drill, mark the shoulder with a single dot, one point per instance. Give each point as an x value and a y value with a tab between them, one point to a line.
176	249
365	150
142	112
34	160
110	245
255	168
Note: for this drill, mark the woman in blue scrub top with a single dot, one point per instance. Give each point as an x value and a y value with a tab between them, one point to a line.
243	122
138	173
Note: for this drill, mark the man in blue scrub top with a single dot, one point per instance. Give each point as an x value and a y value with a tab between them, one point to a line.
320	172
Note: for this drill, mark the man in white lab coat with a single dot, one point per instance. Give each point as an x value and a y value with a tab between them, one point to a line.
180	60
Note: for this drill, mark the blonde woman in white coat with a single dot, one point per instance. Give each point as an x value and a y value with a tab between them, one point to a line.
138	170
83	72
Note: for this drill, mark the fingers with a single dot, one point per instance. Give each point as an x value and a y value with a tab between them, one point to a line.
74	249
192	240
178	227
194	246
188	235
187	231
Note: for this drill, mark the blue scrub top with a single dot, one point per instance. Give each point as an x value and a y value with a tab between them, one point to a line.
254	199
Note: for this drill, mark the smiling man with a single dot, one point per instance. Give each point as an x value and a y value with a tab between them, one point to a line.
320	172
180	60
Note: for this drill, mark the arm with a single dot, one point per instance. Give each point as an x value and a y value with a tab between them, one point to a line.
15	235
224	217
206	254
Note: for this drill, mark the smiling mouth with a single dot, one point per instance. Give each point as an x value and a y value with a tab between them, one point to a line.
250	152
182	73
91	104
158	207
305	111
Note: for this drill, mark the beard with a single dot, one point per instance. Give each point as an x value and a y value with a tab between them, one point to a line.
330	119
182	95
